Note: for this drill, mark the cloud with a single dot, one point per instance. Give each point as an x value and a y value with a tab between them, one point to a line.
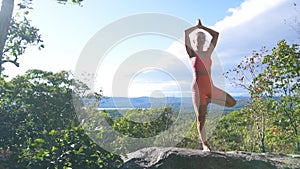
256	23
248	10
147	71
252	25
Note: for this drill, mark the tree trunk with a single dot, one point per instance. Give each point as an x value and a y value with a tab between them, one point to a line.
5	18
263	148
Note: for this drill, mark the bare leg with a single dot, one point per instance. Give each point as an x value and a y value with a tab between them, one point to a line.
221	98
230	101
201	118
201	111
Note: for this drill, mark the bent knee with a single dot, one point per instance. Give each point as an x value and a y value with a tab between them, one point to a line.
231	103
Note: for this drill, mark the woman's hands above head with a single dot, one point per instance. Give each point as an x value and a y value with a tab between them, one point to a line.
212	32
199	24
191	29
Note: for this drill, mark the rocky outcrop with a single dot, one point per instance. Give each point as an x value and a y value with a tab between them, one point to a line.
179	158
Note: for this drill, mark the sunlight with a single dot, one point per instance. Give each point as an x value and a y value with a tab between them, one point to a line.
152	83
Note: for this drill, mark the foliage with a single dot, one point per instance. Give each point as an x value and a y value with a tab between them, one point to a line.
70	1
283	86
134	129
40	126
191	138
234	132
273	83
66	148
141	123
244	76
17	33
26	4
20	35
244	73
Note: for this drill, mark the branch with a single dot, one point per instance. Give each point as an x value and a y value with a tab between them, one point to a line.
12	61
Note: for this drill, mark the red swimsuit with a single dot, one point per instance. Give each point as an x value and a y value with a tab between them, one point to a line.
203	87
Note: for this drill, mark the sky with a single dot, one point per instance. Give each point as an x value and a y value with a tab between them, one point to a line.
152	62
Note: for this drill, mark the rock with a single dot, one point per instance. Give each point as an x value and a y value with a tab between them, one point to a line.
180	158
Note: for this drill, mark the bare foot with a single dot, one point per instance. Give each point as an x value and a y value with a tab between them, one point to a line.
206	148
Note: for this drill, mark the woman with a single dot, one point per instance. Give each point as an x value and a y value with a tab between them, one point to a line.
203	89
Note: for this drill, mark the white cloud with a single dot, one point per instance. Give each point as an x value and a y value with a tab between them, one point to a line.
145	72
252	25
248	10
263	27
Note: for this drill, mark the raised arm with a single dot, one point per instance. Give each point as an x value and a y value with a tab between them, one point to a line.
188	45
214	35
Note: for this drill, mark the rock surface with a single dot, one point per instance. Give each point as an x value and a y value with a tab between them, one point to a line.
180	158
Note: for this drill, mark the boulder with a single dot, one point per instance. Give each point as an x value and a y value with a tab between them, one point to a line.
181	158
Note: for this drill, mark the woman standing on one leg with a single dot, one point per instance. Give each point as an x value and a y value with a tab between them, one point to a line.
204	91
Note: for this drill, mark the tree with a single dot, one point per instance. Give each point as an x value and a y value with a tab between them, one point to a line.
232	132
5	18
20	35
273	84
13	31
39	125
141	123
281	83
244	76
